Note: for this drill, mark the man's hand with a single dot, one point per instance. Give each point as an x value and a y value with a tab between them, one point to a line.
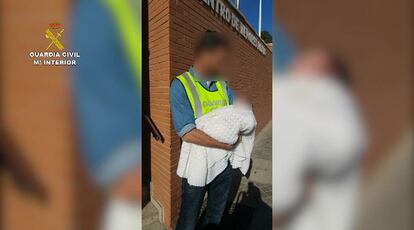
232	146
227	147
199	137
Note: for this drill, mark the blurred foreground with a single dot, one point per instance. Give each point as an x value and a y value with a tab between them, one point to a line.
374	41
60	170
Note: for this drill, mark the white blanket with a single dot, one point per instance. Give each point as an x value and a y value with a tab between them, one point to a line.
318	129
199	164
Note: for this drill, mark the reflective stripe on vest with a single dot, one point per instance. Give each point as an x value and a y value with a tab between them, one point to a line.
202	100
128	22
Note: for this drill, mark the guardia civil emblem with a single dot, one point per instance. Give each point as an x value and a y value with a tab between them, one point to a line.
54	33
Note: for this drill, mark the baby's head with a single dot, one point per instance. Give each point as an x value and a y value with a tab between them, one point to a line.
242	101
320	63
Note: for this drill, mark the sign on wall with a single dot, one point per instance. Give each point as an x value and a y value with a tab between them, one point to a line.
227	14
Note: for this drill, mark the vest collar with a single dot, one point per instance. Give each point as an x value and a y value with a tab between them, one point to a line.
205	81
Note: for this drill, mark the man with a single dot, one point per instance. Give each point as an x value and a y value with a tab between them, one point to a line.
317	142
192	95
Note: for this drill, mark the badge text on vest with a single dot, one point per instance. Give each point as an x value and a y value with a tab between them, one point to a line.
214	103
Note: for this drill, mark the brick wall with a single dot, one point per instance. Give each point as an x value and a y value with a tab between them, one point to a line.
159	71
173	29
35	112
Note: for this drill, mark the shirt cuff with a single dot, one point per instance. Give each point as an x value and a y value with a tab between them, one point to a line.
187	128
124	158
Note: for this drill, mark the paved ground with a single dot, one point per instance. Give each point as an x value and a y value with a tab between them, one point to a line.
387	197
386	201
150	219
251	197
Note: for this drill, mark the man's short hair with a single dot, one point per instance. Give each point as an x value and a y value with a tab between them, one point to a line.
211	40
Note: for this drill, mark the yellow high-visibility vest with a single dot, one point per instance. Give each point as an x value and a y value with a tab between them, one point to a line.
127	17
202	100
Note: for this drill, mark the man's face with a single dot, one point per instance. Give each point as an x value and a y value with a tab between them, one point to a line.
215	60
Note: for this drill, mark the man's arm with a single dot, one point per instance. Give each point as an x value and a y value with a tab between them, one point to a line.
199	137
181	111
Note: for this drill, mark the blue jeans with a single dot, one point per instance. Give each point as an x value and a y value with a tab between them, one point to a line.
192	200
